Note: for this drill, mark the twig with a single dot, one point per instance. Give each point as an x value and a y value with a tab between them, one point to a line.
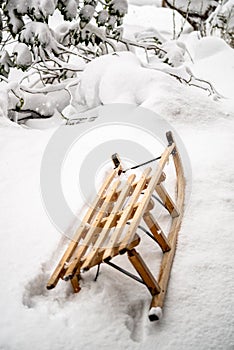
45	90
69	85
185	20
5	80
65	50
173	17
143	46
33	114
51	88
190	82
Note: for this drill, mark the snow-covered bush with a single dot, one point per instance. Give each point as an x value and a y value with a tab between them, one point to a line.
51	41
209	17
86	22
221	21
194	11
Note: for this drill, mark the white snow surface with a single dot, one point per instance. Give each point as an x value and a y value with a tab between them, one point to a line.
163	19
112	312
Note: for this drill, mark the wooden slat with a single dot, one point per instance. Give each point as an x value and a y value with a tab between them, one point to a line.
167	200
143	271
118	216
59	270
110	220
161	179
99	256
167	260
126	214
95	227
147	195
156	231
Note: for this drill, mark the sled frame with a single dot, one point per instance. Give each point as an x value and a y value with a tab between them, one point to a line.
110	224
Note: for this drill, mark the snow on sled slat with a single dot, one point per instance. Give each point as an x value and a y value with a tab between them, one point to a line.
104	233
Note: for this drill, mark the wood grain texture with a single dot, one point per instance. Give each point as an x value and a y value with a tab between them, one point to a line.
144	272
157	231
168	257
147	196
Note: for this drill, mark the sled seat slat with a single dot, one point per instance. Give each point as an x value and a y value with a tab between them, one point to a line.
98	259
110	220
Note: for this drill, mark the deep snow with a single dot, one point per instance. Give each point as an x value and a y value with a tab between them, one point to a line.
112	312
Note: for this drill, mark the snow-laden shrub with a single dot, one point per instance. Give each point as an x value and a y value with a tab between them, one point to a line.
221	22
209	17
86	22
54	58
22	56
5	63
194	11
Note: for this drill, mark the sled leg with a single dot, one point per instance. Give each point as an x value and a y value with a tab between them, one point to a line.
143	271
167	200
75	284
156	231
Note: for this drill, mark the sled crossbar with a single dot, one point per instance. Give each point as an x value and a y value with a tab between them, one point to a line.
109	227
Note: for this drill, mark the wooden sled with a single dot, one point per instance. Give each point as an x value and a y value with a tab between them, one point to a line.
109	227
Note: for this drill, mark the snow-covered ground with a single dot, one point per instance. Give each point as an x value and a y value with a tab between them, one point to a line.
112	313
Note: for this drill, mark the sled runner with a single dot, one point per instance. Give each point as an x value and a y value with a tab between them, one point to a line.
110	227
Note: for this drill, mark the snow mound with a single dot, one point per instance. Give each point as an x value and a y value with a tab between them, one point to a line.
88	91
210	46
213	52
146	2
22	55
119	78
158	18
